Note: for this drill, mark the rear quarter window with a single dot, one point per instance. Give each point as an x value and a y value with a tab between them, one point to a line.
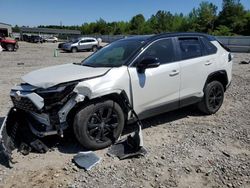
208	46
190	47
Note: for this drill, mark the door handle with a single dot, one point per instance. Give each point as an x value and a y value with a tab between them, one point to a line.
174	73
208	63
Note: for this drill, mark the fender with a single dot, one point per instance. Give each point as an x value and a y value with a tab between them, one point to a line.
220	75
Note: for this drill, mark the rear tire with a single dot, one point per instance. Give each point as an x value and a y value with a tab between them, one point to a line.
98	124
94	48
213	98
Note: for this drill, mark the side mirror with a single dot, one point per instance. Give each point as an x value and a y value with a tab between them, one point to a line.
147	62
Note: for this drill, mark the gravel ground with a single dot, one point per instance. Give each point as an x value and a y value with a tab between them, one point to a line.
185	148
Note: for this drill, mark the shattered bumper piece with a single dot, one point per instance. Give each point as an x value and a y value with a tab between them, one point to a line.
15	133
86	160
6	142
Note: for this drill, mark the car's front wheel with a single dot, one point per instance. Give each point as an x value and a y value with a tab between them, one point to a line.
10	47
213	98
74	50
99	124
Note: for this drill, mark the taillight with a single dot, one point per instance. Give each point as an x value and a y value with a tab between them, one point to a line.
229	57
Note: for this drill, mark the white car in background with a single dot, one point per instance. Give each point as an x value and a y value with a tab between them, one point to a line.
51	39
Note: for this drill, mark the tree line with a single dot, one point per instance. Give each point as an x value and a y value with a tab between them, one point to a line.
233	19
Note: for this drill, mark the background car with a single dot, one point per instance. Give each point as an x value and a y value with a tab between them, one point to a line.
36	39
80	44
51	39
9	44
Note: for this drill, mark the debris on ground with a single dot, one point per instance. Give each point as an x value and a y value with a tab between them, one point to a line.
245	62
86	160
131	146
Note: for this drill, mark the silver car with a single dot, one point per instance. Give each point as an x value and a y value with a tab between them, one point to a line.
80	44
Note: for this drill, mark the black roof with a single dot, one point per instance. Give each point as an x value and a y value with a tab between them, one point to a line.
148	38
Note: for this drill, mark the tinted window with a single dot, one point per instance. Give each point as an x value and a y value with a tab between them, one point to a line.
87	40
113	55
210	48
162	49
190	48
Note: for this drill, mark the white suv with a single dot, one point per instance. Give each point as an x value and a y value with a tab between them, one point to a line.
151	74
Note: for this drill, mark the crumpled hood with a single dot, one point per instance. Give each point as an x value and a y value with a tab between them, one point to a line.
51	76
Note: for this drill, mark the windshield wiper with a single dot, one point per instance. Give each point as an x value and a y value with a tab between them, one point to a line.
87	65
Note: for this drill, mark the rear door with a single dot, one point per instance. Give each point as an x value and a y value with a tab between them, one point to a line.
195	65
157	89
85	44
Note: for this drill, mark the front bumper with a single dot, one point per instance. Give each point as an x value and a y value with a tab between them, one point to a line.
46	111
7	136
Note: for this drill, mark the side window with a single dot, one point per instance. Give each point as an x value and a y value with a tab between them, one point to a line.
210	48
83	41
190	47
162	49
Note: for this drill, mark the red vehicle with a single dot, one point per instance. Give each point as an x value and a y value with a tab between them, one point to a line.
8	44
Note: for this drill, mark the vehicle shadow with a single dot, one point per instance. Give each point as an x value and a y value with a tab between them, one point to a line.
1	120
164	118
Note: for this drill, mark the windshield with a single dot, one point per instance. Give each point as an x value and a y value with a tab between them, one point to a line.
113	55
74	40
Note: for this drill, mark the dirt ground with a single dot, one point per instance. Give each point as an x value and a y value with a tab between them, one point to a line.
185	148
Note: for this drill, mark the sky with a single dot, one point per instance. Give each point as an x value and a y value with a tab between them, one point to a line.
76	12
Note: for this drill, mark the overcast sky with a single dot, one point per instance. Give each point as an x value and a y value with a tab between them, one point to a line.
76	12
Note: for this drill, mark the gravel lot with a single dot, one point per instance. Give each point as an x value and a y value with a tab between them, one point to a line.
185	148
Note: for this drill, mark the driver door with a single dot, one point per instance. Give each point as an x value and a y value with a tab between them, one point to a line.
156	90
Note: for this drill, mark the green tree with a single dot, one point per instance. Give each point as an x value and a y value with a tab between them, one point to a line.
206	16
137	24
161	22
16	29
222	30
232	16
203	18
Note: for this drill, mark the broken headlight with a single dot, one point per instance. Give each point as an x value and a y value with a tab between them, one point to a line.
56	95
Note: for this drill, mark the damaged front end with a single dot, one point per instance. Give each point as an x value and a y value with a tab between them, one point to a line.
37	113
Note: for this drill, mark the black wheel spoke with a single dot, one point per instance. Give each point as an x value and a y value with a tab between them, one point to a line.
93	125
99	135
215	97
97	117
92	131
113	126
102	124
109	113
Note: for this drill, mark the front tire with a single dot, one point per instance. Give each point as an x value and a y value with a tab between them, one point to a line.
74	50
213	98
98	124
10	47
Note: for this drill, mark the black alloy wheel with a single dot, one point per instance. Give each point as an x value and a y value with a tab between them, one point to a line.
98	124
213	98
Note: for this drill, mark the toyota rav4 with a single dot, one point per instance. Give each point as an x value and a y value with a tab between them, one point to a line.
151	74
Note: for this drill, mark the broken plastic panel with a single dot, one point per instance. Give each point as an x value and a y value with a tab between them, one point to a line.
86	160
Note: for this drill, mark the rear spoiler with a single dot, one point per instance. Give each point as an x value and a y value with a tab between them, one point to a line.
223	46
